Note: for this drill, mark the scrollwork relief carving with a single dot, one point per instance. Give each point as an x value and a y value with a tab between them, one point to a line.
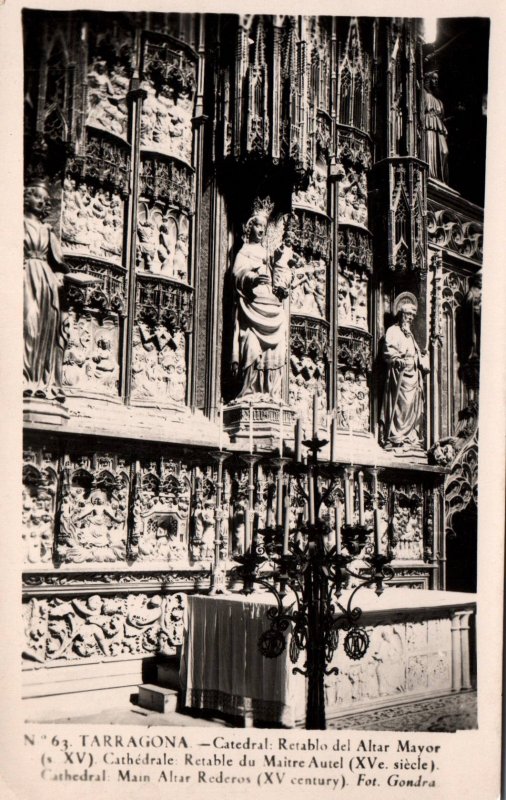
59	629
452	231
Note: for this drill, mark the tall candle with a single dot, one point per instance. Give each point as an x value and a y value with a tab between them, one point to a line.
279	506
251	427
361	497
281	429
298	440
312	510
333	439
221	426
351	442
286	529
315	414
347	504
337	511
377	533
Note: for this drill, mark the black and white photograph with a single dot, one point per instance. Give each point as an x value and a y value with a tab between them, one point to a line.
252	309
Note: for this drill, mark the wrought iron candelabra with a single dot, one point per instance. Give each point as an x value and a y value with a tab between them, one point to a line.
315	573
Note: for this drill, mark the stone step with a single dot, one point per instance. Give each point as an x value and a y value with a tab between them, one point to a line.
157	698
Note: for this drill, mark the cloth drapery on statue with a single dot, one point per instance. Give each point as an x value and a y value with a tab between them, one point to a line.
435	130
43	339
260	326
403	397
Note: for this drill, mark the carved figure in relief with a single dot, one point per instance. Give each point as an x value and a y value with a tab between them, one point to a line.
38	516
106	109
180	265
43	268
435	129
260	329
403	398
352	206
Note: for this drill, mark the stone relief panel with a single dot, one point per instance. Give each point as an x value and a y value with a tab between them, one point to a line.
393	665
353	299
110	58
167	181
91	356
91	221
161	513
309	288
162	242
353	401
158	364
169	81
307	378
314	197
40	484
92	519
68	630
407	538
352	205
355	248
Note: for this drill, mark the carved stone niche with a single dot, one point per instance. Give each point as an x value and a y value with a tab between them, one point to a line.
407	532
62	630
39	503
161	513
314	196
308	378
170	82
404	238
91	354
162	241
353	401
352	205
108	80
91	220
92	519
353	299
164	317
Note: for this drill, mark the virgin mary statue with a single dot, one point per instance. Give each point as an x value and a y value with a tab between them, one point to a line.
260	327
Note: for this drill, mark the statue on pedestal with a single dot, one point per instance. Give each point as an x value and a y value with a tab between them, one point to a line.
261	325
435	129
403	397
43	268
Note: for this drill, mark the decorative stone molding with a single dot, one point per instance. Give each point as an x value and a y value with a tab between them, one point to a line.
61	630
354	147
354	349
103	161
355	248
309	337
167	181
453	231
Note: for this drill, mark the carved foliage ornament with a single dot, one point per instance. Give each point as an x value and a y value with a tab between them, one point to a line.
61	630
454	232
